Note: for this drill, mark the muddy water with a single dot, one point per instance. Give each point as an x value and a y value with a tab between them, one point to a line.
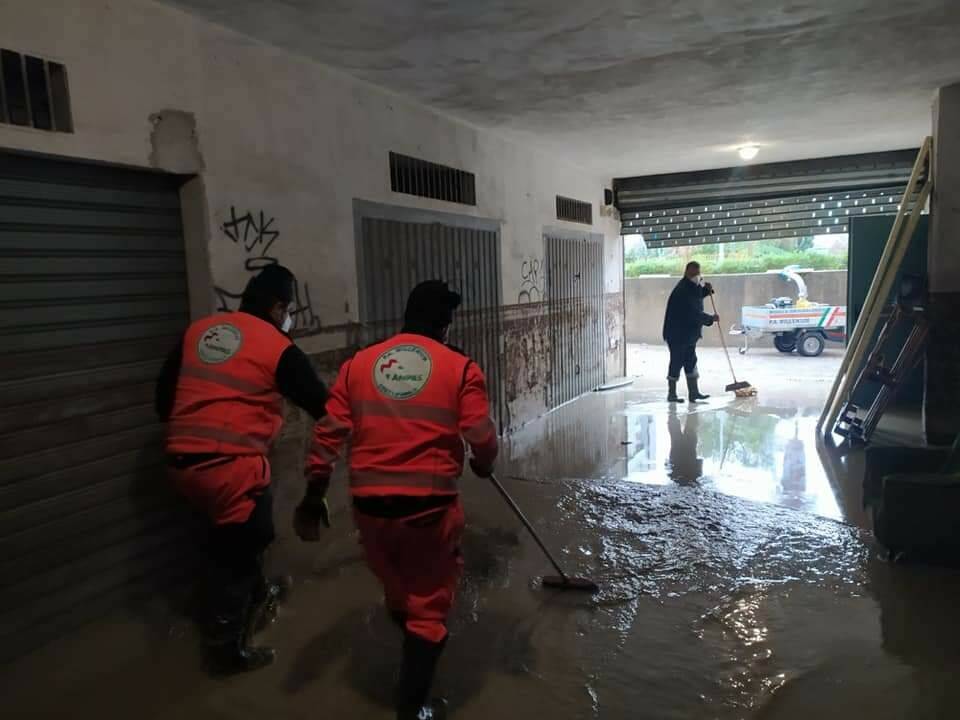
731	588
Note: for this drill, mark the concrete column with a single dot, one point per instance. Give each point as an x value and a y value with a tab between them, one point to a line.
942	398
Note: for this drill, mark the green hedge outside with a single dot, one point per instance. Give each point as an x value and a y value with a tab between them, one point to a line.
757	263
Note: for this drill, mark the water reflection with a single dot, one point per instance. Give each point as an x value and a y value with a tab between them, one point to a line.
684	466
793	479
755	452
742	448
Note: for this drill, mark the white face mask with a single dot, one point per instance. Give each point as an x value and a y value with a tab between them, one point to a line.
287	323
697	280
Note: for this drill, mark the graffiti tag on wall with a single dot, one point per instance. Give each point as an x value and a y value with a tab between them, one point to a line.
254	234
531	281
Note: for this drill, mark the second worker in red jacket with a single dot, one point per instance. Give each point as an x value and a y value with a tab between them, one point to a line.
406	406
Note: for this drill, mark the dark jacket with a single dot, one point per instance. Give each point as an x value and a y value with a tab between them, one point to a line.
685	318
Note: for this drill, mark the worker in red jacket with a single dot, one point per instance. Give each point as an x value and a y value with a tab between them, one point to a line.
220	393
406	405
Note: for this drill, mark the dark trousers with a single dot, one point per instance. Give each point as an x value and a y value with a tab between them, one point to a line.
683	357
236	580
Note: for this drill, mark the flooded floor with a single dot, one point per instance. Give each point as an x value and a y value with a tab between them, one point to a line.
736	583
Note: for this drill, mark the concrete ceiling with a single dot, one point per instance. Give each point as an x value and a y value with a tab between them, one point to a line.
632	88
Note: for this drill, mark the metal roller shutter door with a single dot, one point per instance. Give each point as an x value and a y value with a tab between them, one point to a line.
92	296
394	256
575	299
762	202
778	218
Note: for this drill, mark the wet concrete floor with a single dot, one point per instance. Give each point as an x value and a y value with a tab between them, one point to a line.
735	584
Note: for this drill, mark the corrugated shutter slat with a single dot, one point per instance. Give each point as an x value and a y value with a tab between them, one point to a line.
92	297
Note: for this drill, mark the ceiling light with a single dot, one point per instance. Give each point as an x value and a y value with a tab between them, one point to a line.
748	152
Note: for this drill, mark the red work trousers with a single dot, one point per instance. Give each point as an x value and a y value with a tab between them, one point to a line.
224	487
417	559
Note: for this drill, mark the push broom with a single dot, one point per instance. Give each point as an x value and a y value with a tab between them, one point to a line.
739	388
562	581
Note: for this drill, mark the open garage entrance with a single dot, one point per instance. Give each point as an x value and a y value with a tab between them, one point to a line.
791	250
789	247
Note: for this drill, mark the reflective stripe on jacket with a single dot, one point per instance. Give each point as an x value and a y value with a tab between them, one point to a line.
406	406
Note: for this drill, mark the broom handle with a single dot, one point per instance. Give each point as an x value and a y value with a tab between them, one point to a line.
723	340
523	518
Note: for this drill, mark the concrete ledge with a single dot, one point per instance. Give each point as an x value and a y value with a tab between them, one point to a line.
917	516
882	460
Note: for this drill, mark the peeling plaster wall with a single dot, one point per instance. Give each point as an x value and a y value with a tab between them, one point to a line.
526	366
174	143
282	147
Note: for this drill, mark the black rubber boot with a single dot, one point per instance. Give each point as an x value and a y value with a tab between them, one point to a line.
693	390
420	659
672	391
268	597
229	649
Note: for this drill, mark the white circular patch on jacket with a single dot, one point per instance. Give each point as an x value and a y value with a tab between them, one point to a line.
402	371
219	343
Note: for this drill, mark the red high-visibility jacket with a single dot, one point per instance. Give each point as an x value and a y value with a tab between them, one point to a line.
227	401
406	405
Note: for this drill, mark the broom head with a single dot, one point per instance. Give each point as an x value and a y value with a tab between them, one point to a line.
570	583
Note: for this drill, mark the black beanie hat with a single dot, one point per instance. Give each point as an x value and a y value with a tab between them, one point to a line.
431	304
271	285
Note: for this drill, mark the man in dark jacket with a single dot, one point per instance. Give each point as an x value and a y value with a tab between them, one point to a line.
683	326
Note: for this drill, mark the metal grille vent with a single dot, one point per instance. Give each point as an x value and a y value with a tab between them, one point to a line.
771	218
33	93
576	211
414	176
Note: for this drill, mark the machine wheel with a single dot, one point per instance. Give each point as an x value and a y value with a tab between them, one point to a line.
810	344
785	343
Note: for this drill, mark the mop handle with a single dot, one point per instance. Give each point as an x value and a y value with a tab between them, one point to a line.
523	518
722	339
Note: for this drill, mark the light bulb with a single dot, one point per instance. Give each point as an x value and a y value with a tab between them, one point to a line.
748	152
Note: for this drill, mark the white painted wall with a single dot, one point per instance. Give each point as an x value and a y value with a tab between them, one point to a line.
278	134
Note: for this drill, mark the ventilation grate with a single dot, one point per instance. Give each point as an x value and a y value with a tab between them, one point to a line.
413	176
576	211
33	93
